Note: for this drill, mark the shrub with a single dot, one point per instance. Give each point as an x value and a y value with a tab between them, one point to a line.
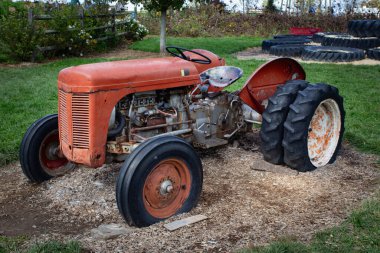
18	40
135	30
72	36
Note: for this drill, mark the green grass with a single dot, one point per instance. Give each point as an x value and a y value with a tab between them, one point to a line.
220	45
359	233
16	244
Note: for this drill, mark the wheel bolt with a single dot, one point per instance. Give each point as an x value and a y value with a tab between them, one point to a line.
169	189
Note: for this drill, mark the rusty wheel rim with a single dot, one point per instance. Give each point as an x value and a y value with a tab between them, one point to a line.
166	188
50	162
324	132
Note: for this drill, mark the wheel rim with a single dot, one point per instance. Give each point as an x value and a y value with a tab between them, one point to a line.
324	132
51	163
166	188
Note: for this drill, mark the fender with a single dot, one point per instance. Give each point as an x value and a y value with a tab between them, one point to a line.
264	81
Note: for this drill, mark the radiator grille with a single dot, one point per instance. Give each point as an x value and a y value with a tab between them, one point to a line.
81	120
63	117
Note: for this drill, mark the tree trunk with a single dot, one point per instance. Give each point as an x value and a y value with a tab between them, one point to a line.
282	2
163	32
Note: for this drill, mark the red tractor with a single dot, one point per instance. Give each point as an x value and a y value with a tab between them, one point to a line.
152	113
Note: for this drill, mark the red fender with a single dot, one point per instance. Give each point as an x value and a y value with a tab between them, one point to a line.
264	81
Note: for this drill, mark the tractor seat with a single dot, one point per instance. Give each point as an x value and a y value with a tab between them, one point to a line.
221	76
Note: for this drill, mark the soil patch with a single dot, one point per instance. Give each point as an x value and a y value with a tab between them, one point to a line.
25	211
256	53
246	204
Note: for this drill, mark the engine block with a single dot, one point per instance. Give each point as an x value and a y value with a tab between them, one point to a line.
205	121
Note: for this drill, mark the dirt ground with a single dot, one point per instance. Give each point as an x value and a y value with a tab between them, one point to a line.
247	201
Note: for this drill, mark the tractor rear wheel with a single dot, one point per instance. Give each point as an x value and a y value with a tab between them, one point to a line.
39	149
161	178
274	116
314	128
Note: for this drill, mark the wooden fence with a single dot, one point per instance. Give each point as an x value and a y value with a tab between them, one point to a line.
81	16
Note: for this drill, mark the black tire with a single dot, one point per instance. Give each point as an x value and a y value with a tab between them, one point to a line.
349	41
292	36
33	159
374	53
332	54
298	121
364	28
137	168
287	50
274	116
318	37
267	44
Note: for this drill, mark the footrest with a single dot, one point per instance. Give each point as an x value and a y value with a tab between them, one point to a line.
210	143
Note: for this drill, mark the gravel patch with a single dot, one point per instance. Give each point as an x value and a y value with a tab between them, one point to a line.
247	201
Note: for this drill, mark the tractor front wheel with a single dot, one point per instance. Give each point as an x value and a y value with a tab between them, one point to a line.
39	151
314	128
161	178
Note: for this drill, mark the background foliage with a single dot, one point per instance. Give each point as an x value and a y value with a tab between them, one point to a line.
212	20
73	36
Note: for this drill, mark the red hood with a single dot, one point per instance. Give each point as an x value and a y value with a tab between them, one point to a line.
127	74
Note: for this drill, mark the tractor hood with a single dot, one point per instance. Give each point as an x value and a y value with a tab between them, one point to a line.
128	74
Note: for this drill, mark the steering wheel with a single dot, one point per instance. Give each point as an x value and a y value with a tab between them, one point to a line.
179	52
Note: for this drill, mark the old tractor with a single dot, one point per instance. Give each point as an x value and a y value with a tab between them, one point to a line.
153	113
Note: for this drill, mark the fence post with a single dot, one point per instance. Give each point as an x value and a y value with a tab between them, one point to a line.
30	17
114	22
135	12
31	27
81	17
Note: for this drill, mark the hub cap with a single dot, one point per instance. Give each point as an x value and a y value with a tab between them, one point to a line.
166	188
324	132
51	163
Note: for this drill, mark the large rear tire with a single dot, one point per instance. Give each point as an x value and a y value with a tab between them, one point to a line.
332	54
314	128
38	151
161	178
274	116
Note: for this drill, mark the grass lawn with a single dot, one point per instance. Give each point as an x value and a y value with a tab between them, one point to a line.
15	244
221	45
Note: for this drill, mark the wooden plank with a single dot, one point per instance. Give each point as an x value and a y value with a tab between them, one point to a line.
184	222
98	27
103	38
50	31
47	48
43	17
122	34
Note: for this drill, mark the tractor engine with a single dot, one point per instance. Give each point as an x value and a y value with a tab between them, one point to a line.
204	119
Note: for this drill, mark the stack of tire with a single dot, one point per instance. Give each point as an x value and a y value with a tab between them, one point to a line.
285	39
363	38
